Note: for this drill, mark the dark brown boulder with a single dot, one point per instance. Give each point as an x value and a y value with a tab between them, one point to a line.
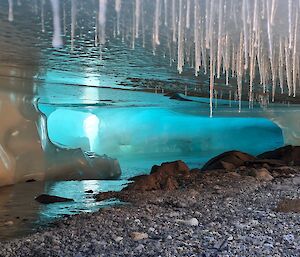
265	162
288	154
167	176
175	168
228	160
47	199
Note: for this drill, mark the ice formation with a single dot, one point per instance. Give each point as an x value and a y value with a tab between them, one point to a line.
256	42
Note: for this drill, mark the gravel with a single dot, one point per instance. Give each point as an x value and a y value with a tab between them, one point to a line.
217	215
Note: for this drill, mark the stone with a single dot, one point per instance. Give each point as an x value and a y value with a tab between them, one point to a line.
265	163
47	199
289	205
118	239
9	223
228	166
288	154
137	236
228	160
89	191
263	175
289	238
191	222
164	177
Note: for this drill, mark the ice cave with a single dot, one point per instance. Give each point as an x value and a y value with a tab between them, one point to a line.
96	92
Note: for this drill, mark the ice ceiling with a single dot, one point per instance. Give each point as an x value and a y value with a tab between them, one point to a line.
252	47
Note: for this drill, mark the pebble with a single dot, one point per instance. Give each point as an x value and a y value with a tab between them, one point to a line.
191	222
137	236
9	223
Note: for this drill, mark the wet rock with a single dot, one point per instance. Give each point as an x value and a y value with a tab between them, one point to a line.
47	199
106	195
137	236
230	160
289	205
89	191
288	154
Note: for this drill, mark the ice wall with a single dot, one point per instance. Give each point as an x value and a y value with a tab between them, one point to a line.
147	132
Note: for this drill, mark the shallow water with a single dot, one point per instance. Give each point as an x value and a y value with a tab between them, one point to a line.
17	204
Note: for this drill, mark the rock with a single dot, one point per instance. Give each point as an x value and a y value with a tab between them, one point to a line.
164	177
178	97
8	223
288	154
228	166
30	180
289	205
140	247
289	238
169	237
191	222
228	160
118	239
89	191
265	163
47	199
171	168
137	236
263	175
233	174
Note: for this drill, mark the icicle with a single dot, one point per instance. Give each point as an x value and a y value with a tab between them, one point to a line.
64	19
197	39
219	61
295	57
245	32
73	22
102	20
137	17
180	55
56	40
290	23
156	23
118	4
281	63
174	20
43	15
10	10
188	10
166	12
240	71
287	66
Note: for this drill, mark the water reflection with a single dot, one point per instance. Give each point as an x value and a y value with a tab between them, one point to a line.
20	214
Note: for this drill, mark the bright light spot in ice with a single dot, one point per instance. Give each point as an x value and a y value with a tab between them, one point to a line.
91	127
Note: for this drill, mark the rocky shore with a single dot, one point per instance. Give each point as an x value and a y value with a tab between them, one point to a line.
248	206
